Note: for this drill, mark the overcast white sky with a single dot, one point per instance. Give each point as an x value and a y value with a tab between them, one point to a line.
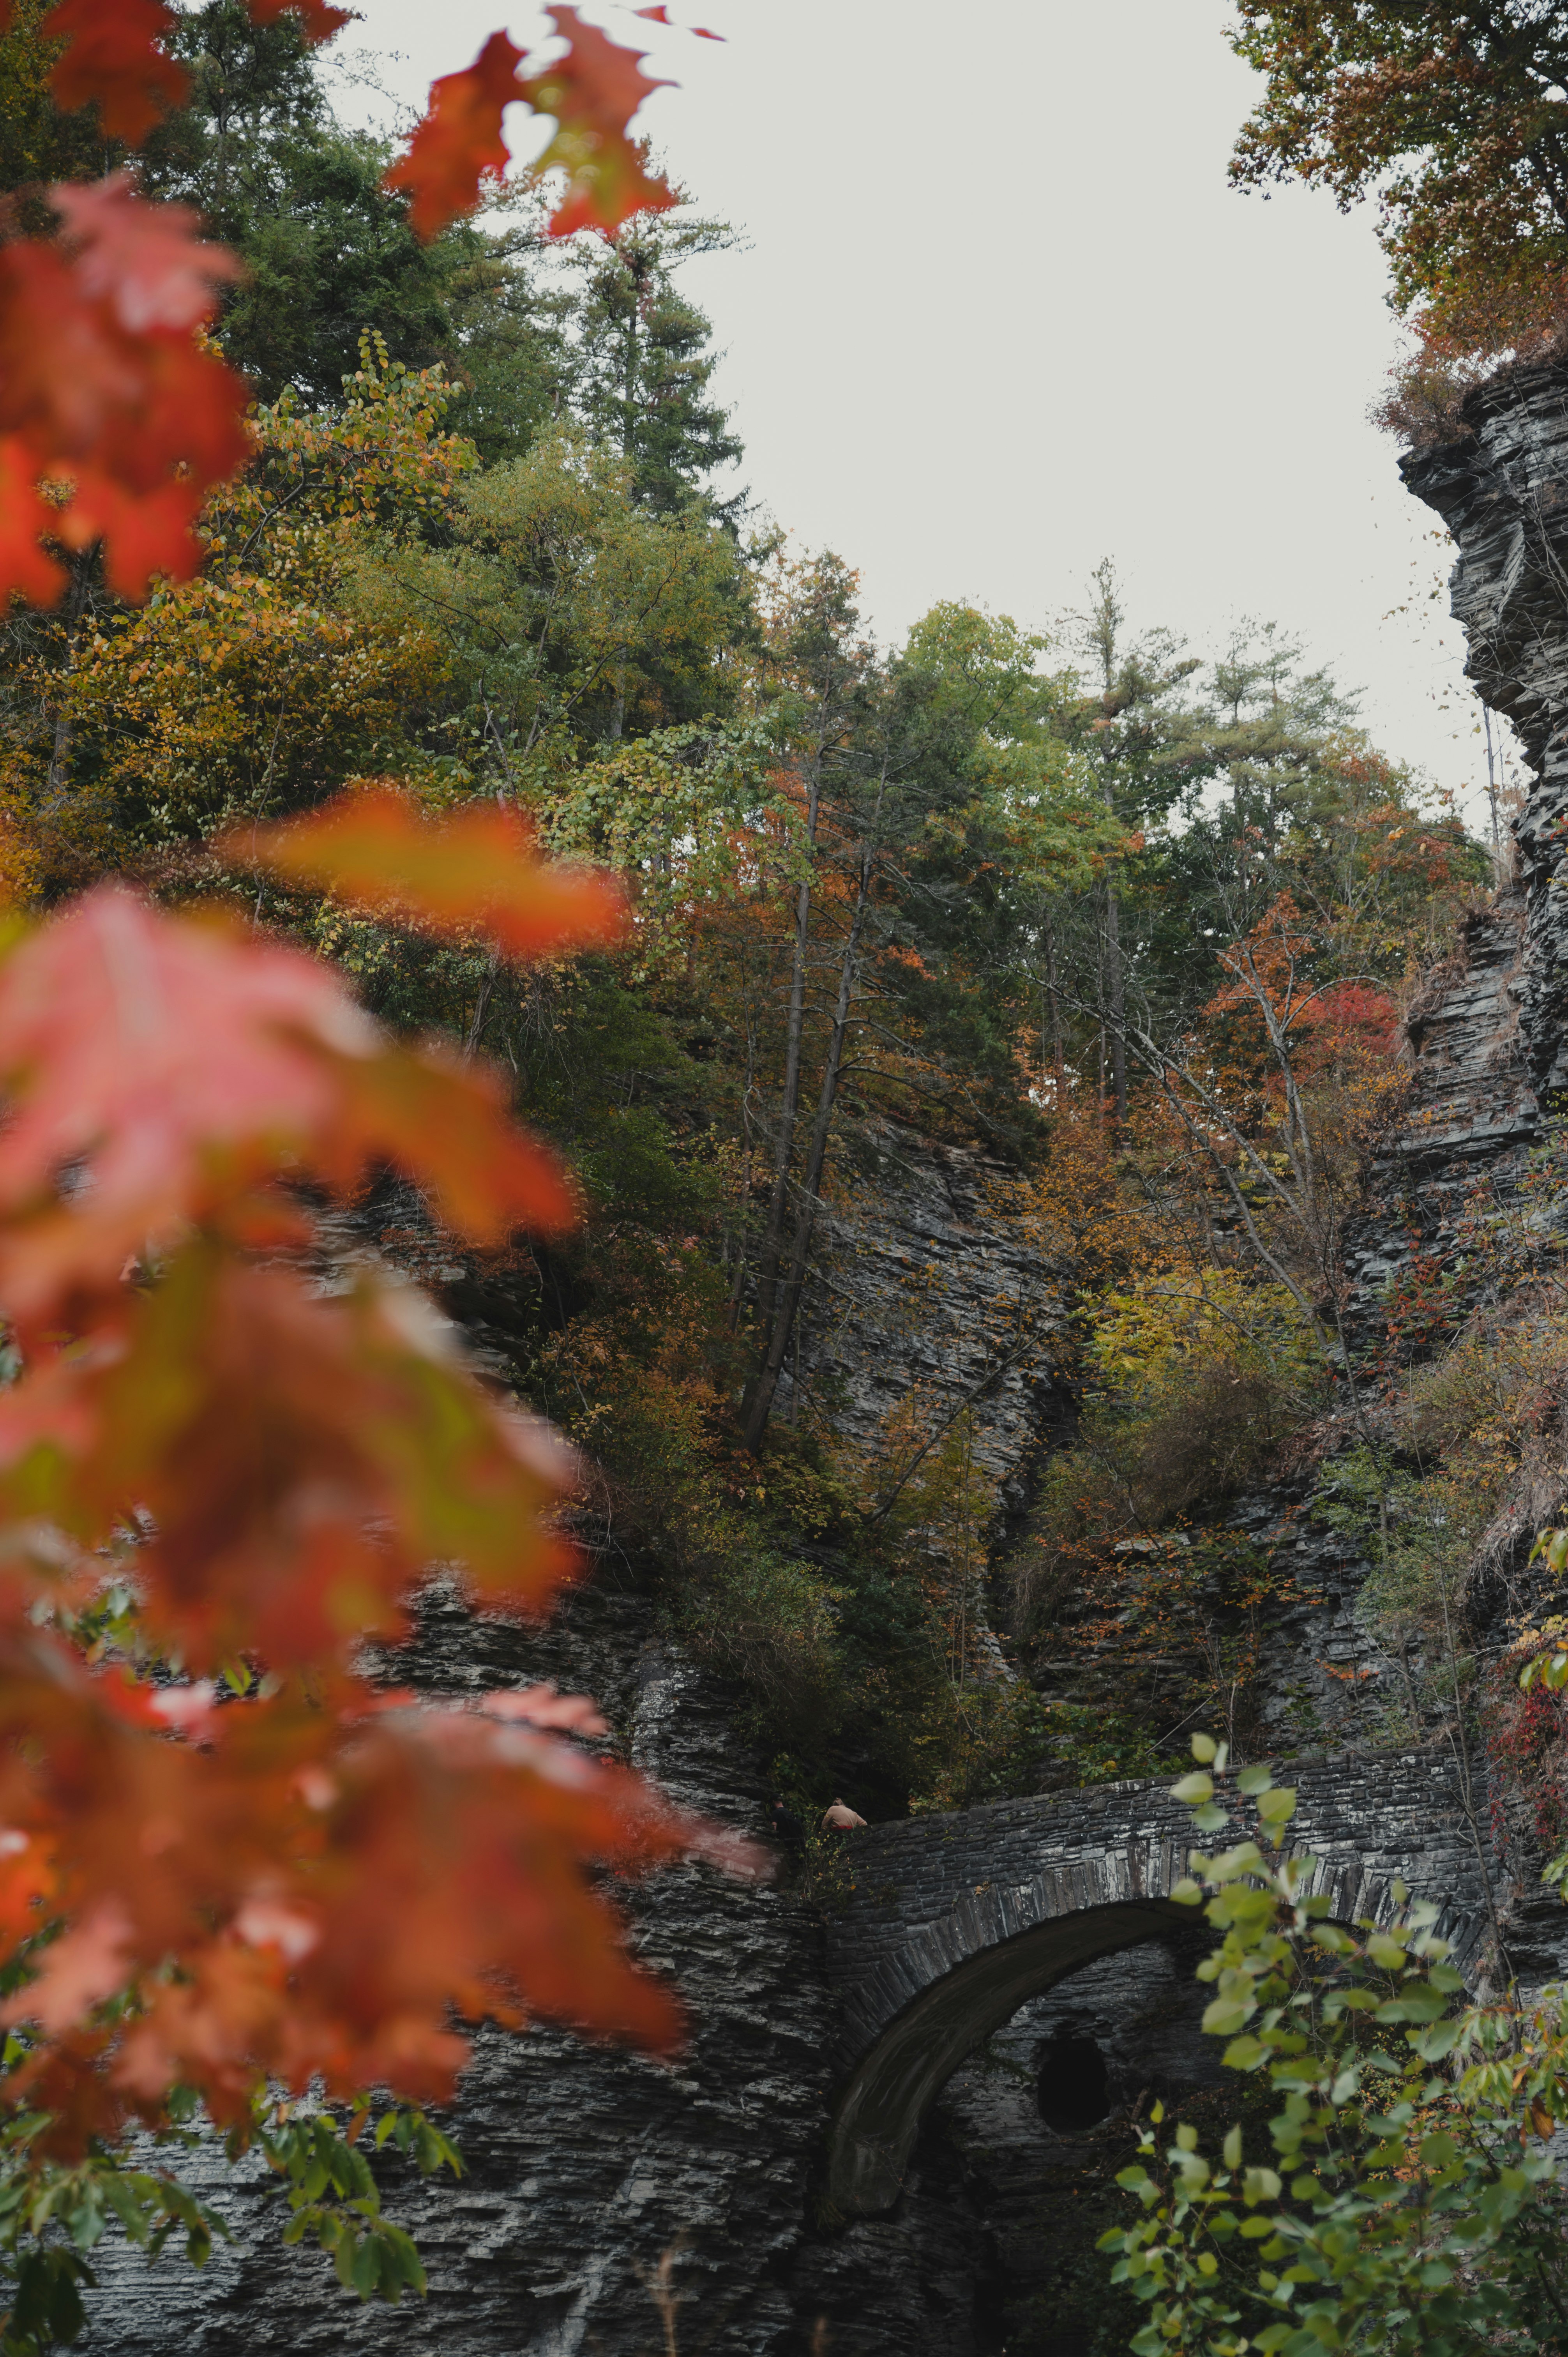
1001	315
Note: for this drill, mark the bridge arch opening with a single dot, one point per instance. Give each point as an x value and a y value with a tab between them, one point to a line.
960	1999
879	2112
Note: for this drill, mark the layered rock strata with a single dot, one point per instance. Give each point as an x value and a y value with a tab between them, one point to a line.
927	1284
587	2167
590	2169
1503	493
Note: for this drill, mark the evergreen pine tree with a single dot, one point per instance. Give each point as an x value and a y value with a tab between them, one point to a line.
328	250
645	364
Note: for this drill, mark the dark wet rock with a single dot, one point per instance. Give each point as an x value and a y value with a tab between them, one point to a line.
586	2166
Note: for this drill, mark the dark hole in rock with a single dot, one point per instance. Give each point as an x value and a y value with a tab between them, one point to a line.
1073	2091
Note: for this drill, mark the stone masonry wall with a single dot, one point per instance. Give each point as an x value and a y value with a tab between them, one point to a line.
1372	1818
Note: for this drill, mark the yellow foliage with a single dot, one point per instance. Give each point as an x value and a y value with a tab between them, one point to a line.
1180	1317
254	687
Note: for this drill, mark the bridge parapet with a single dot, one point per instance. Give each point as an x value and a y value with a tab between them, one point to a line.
953	1922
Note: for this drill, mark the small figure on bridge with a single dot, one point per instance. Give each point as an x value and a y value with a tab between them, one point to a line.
841	1820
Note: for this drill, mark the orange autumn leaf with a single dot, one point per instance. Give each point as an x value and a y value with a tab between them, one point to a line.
593	93
330	1885
303	1463
175	1064
475	871
458	142
444	1118
114	60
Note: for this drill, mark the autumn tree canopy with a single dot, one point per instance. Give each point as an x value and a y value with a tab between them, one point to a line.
1452	116
1126	923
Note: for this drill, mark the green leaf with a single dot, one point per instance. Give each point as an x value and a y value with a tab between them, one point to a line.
1228	2015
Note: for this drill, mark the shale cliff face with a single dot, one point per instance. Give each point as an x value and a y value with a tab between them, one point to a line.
586	2167
589	2170
1503	494
926	1281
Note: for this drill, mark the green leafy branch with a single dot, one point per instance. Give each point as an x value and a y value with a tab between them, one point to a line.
1408	2203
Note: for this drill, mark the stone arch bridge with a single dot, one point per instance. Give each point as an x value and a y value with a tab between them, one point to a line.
954	1922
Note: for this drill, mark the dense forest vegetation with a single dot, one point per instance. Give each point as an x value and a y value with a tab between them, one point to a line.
1140	920
1142	931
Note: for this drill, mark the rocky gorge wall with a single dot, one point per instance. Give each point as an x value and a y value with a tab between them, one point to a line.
600	2186
925	1281
587	2167
1502	492
589	2170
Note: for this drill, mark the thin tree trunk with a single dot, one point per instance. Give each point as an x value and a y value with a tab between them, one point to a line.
481	1005
789	1101
1117	1001
1058	1060
57	784
1100	998
738	1284
788	1305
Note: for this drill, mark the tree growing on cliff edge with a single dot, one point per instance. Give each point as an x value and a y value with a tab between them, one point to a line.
1451	113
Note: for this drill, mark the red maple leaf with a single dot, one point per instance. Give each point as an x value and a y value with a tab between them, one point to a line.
104	391
593	93
144	261
459	144
318	21
114	58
